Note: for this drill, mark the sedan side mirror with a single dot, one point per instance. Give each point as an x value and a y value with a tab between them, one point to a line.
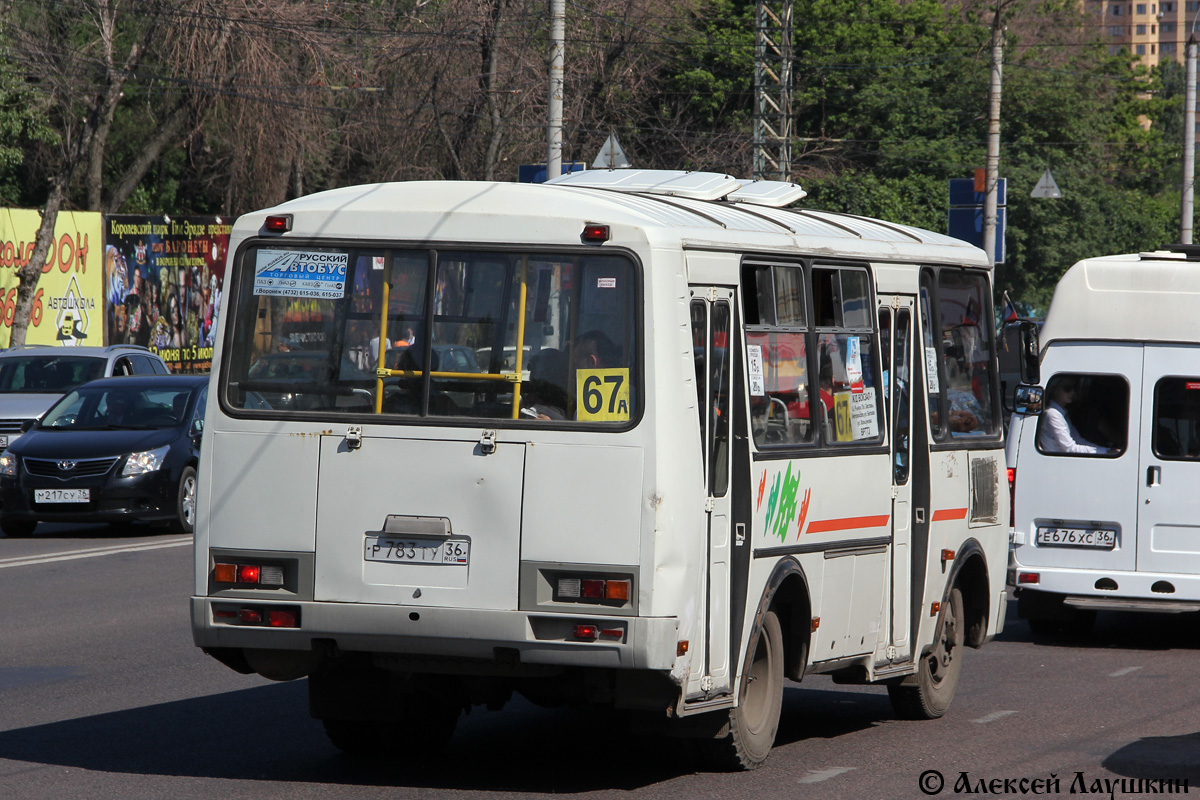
197	427
1029	400
27	425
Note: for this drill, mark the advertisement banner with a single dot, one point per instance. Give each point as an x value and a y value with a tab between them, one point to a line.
162	285
68	304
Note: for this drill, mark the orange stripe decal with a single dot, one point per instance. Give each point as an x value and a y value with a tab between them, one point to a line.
949	513
848	523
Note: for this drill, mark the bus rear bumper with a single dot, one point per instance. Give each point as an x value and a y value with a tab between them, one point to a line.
504	637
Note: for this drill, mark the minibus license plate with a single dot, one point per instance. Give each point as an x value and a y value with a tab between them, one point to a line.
62	495
398	549
1077	537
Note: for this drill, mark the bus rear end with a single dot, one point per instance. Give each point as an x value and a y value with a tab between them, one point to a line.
423	480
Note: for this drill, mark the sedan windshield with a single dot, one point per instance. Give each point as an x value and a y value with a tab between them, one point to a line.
47	374
119	407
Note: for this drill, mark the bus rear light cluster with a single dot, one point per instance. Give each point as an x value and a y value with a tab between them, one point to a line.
286	617
594	632
580	589
248	574
1029	577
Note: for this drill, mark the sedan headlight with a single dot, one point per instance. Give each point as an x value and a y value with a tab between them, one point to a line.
138	463
8	465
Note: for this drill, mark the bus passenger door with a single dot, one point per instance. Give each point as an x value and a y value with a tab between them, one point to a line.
713	340
896	325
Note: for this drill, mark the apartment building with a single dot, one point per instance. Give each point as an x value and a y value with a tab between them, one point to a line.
1152	31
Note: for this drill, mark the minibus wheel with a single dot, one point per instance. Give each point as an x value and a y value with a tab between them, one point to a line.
423	728
753	724
927	694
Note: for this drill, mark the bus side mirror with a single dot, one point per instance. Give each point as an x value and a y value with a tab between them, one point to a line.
1031	372
1029	400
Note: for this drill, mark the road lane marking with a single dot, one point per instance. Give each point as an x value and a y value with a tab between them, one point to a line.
992	717
818	775
1121	672
93	552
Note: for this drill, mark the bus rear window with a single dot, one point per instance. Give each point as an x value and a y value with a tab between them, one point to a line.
410	333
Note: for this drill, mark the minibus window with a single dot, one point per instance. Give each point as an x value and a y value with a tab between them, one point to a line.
1087	415
777	355
1176	433
419	333
847	387
933	360
964	317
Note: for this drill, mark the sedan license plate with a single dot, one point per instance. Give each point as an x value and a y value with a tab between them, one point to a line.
62	495
413	550
3	442
1098	538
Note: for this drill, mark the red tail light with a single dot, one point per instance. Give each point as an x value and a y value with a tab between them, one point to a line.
281	223
283	618
1012	497
247	574
1029	577
587	632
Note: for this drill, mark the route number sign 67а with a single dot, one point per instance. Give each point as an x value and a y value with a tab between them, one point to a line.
602	395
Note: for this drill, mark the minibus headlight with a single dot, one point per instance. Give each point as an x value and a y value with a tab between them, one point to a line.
8	465
146	461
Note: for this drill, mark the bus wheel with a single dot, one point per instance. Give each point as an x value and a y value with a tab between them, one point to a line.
927	695
753	724
424	728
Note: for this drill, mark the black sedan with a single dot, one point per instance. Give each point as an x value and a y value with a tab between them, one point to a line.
113	450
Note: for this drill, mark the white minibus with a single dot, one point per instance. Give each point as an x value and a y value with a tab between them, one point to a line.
1105	459
704	443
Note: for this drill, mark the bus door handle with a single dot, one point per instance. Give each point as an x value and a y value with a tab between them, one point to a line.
1153	476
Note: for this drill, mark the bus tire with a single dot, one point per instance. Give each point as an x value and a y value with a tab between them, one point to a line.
424	728
931	690
185	502
755	721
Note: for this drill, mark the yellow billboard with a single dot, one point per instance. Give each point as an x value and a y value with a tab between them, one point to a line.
67	306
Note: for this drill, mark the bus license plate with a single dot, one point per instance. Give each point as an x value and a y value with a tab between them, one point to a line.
408	550
62	495
1098	538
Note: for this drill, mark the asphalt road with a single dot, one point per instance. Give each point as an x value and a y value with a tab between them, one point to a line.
102	695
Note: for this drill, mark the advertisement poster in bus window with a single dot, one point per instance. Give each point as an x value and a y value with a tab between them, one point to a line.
67	305
163	278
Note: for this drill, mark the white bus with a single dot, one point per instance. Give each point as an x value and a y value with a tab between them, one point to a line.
702	444
1106	459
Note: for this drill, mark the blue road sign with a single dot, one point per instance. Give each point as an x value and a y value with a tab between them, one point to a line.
536	173
962	193
967	224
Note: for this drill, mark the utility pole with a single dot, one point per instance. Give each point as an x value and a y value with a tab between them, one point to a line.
1189	143
773	90
555	104
992	166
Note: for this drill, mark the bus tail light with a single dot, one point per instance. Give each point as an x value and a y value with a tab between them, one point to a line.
280	223
590	632
592	589
259	616
248	574
1012	497
283	618
1029	577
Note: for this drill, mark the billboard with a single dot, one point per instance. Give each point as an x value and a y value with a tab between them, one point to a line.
163	278
67	307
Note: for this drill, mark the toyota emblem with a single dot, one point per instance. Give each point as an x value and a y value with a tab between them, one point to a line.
66	466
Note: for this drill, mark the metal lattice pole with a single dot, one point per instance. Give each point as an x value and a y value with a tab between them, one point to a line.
773	90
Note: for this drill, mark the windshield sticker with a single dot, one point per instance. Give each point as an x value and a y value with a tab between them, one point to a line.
931	369
606	283
754	362
854	374
295	273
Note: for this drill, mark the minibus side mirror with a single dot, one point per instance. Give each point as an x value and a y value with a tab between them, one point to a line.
1030	368
1029	400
